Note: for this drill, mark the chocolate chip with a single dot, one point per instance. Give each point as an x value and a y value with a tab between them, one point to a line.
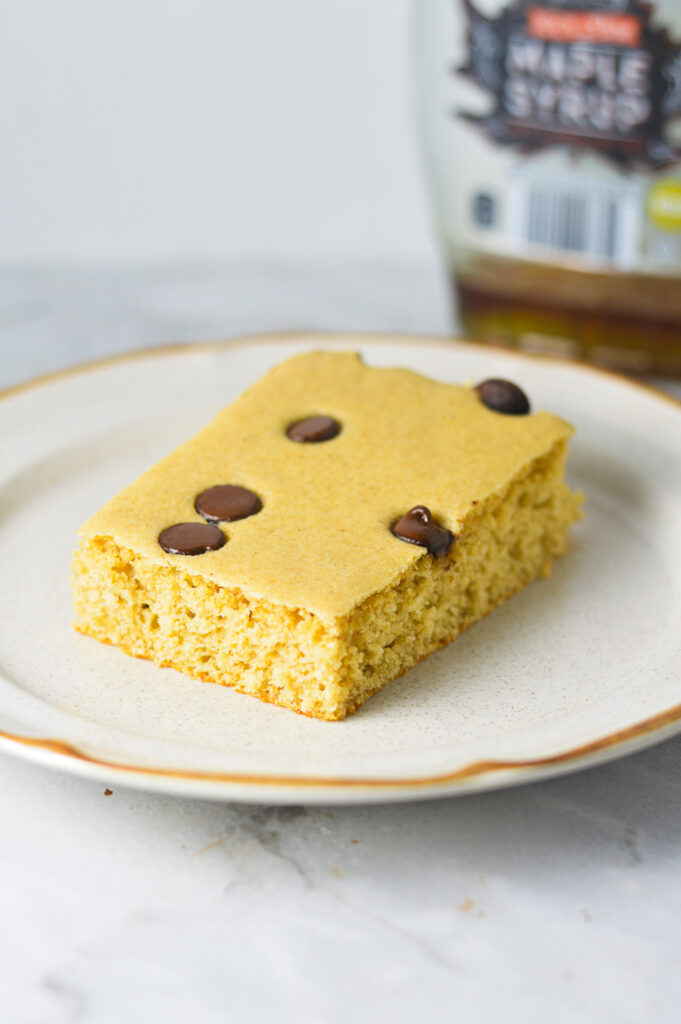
226	502
316	428
417	527
191	538
502	396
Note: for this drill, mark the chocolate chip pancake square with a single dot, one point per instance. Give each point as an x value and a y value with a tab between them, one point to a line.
332	527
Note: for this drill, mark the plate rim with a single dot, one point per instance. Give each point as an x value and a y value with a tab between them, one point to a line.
472	777
476	775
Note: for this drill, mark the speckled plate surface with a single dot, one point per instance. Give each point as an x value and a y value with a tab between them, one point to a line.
577	669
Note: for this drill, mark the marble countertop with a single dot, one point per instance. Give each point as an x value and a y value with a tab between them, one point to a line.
558	902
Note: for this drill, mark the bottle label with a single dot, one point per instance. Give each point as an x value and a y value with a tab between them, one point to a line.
586	74
600	221
568	114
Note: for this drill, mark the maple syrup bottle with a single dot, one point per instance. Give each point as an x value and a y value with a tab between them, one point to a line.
553	140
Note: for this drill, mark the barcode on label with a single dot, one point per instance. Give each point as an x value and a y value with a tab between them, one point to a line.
598	221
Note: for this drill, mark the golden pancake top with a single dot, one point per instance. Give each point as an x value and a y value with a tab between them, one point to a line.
322	540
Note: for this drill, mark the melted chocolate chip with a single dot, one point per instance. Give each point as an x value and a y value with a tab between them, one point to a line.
417	527
226	502
503	396
191	538
316	428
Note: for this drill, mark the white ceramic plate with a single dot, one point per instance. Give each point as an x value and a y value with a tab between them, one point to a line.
577	669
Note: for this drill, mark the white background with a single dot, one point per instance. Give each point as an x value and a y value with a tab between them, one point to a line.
153	131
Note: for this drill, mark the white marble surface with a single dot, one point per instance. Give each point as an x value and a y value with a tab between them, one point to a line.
557	902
